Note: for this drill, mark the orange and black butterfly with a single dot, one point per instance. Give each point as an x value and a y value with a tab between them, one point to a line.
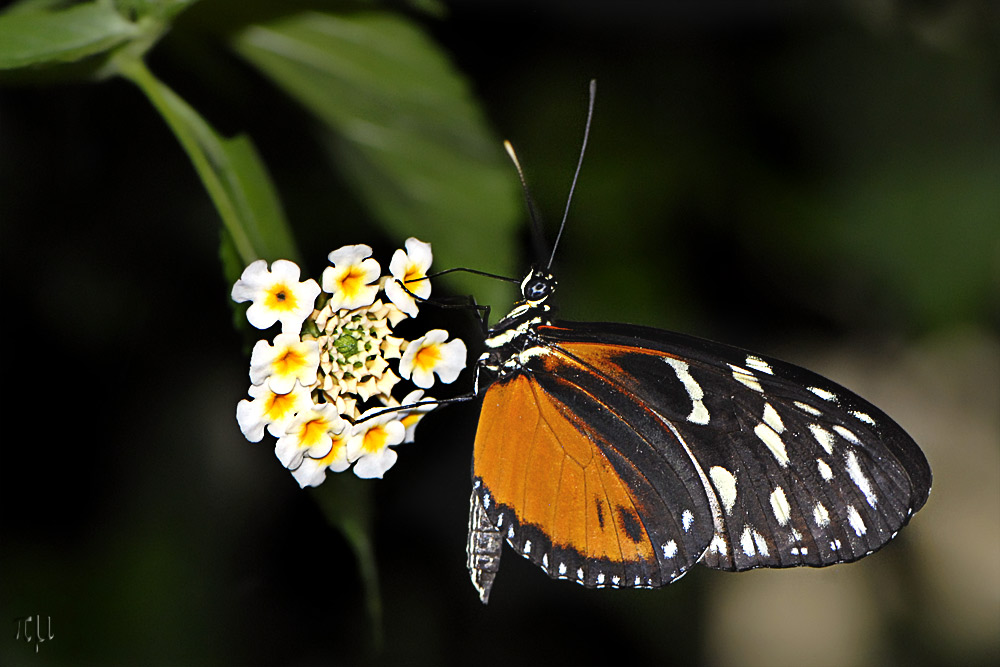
619	455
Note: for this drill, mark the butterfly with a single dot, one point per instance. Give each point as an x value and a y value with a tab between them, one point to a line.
616	455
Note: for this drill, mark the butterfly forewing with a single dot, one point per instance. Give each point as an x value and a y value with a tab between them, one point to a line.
800	470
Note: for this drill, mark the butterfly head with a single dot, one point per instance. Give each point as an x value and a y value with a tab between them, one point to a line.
537	286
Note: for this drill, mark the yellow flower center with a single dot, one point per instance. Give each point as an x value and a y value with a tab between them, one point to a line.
313	431
353	281
411	418
278	405
427	358
374	440
280	297
339	445
290	363
413	273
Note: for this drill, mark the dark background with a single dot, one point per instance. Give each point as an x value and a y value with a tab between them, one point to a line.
821	185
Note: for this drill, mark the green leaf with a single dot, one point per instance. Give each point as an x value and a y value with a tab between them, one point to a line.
231	171
408	134
30	38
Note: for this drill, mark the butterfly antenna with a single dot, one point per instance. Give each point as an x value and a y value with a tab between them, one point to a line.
536	225
576	175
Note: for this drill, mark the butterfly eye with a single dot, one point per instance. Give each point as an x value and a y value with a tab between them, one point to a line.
538	288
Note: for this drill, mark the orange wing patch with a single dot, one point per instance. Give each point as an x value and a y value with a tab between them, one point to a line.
536	457
605	357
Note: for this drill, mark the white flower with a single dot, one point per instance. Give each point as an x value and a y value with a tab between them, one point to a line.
288	360
352	281
409	268
309	434
277	295
370	441
269	409
429	355
312	472
312	381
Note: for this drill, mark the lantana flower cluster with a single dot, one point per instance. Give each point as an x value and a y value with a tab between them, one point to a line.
324	386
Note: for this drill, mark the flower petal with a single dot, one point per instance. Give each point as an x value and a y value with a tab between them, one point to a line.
310	434
429	355
352	281
270	410
375	465
312	472
409	268
370	441
250	281
277	295
309	473
287	361
412	416
452	360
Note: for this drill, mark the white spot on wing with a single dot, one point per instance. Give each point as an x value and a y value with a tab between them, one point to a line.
779	505
821	516
527	546
699	413
823	437
772	419
600	579
746	543
545	562
759	364
719	545
805	407
847	434
670	549
824	394
858	477
562	569
761	543
863	416
824	470
857	523
747	378
687	518
725	484
579	574
773	442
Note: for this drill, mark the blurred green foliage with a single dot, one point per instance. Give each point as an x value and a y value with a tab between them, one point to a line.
776	176
405	131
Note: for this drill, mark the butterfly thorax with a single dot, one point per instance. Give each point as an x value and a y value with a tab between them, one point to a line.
515	334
